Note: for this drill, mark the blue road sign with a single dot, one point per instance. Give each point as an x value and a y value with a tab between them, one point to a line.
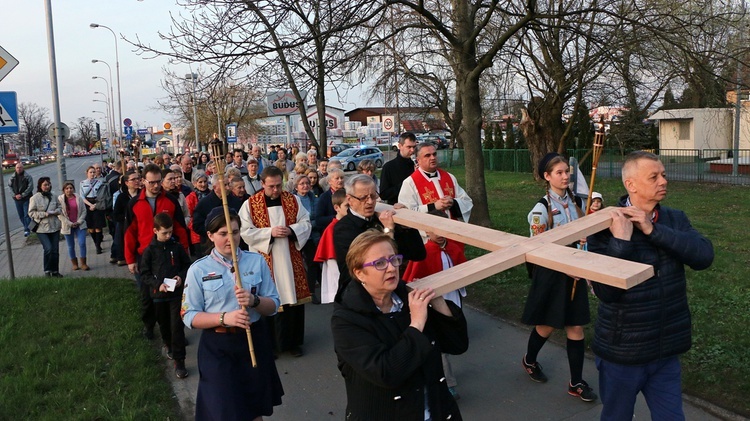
142	132
8	113
231	133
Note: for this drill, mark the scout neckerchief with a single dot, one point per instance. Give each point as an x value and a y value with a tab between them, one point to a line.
427	190
223	261
260	219
563	204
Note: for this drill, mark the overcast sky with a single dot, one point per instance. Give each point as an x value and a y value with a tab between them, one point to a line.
24	35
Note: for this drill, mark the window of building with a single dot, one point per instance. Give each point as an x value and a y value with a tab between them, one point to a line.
684	130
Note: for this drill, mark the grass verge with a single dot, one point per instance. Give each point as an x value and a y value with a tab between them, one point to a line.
716	368
72	350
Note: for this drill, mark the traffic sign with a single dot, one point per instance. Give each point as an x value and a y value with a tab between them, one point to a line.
142	132
127	122
128	132
64	129
388	123
7	63
8	112
232	133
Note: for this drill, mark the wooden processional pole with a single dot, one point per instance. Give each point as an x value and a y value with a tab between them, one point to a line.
217	151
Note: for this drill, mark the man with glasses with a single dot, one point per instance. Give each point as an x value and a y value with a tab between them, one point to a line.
276	225
431	188
362	196
139	232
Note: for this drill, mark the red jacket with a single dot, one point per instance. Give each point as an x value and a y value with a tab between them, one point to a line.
140	223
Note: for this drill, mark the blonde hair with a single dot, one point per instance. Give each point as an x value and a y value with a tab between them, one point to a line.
355	257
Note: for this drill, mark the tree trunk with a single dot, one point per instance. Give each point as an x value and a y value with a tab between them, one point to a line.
542	127
471	129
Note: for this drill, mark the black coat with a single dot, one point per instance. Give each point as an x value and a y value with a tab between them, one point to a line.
206	205
392	176
408	242
324	211
386	364
650	321
164	260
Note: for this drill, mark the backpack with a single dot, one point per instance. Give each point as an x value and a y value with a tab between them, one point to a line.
103	198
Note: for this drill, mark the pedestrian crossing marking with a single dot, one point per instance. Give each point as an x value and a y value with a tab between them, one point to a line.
5	119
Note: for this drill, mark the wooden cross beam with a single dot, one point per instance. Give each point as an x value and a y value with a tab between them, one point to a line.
547	249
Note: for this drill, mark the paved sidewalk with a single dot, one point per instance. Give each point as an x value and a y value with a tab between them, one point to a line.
492	384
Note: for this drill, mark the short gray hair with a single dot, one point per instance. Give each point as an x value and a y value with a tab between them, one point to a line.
357	179
334	171
422	145
197	175
631	162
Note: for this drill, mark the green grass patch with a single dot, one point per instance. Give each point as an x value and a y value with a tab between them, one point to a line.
716	368
72	350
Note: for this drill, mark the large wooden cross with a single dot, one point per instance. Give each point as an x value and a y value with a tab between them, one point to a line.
548	249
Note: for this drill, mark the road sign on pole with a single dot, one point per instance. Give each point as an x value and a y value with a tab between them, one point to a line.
7	63
8	113
232	133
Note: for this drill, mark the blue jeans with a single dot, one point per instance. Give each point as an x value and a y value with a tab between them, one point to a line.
22	207
659	381
51	245
76	234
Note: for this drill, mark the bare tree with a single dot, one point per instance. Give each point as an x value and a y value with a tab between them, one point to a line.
35	121
84	133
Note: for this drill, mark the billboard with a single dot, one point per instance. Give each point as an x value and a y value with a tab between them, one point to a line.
283	103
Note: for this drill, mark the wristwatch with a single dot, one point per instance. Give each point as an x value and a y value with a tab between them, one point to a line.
256	301
387	230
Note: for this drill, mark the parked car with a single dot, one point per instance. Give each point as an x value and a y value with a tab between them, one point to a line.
439	140
349	158
10	160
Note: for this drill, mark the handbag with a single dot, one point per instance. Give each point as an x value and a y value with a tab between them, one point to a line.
33	225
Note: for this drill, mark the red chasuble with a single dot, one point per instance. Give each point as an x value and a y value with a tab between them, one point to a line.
426	189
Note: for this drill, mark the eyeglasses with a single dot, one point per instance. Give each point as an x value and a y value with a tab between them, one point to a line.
374	197
153	182
134	179
382	263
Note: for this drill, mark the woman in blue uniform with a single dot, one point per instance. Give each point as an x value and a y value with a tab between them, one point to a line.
229	387
95	218
554	302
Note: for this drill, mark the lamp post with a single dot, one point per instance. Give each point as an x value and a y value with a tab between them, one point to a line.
194	78
110	117
117	66
111	92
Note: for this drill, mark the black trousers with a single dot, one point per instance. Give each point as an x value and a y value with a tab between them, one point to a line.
148	313
287	328
171	327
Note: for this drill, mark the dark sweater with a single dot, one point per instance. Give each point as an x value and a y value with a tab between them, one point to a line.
392	176
650	321
387	365
408	241
204	207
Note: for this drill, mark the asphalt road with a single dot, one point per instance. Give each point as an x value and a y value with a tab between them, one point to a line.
75	170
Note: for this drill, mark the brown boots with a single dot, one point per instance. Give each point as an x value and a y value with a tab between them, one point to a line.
84	266
75	263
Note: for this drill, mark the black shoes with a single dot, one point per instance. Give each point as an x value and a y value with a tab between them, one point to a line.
582	390
179	369
534	371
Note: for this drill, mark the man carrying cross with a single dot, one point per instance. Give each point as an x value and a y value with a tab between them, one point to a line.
430	187
640	332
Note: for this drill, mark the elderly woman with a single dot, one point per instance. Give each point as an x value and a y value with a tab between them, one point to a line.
367	167
43	210
388	340
325	209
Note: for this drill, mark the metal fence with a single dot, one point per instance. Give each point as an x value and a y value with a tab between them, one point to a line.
696	165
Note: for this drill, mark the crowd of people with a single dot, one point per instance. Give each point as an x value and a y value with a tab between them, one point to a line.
307	233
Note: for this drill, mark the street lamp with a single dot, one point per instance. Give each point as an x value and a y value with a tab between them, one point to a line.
194	78
117	66
110	117
111	87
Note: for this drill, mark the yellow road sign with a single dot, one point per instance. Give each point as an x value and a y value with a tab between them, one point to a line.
7	63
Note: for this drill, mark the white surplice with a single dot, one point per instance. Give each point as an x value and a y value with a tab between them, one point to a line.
259	239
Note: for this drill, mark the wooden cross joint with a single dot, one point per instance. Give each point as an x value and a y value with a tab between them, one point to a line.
548	249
